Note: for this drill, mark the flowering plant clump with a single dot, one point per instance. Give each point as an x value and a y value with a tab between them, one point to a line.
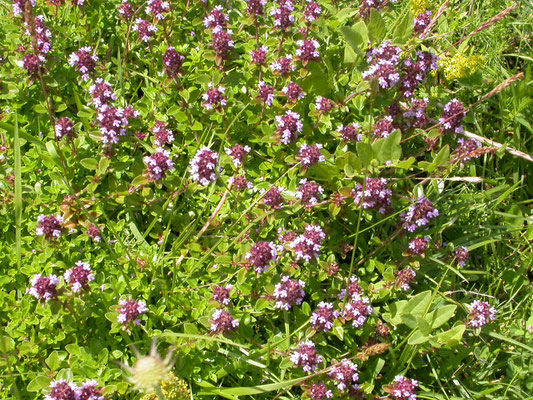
293	199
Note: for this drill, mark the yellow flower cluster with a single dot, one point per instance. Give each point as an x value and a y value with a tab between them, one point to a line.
420	6
460	66
173	388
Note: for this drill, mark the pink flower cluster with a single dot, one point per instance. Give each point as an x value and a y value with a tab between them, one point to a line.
374	194
403	388
173	62
158	164
64	128
404	278
273	197
49	226
288	293
310	155
288	126
63	390
306	356
418	245
350	132
383	62
162	135
102	93
357	310
480	314
319	391
308	245
308	192
283	17
43	287
419	214
144	29
221	294
323	317
466	149
462	255
261	254
84	62
130	311
222	322
293	92
237	153
345	375
203	166
157	8
452	117
114	121
214	97
266	93
78	277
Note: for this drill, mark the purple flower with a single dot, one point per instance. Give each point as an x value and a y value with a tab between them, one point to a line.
130	311
222	322
78	277
83	61
259	56
293	92
480	314
172	61
20	5
353	289
383	61
162	135
203	166
344	374
466	149
114	121
94	233
384	127
422	21
374	195
419	214
350	132
221	294
42	34
214	97
126	10
309	192
158	164
288	292
266	93
237	153
222	42
319	391
308	50
157	8
64	128
324	105
306	357
283	66
240	183
310	155
403	388
62	390
308	245
312	11
50	227
323	317
43	287
216	18
416	71
405	278
32	63
273	197
144	29
418	245
288	126
461	256
416	116
256	7
102	93
91	391
283	17
357	310
262	254
452	116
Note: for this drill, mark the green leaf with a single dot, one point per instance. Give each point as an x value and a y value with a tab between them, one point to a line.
423	326
139	180
40	109
441	315
103	164
451	337
404	31
51	148
389	148
365	153
376	26
417	305
356	37
6	344
89	163
248	391
39	383
53	361
418	338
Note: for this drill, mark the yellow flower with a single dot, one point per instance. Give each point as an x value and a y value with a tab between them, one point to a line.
460	66
420	6
173	388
